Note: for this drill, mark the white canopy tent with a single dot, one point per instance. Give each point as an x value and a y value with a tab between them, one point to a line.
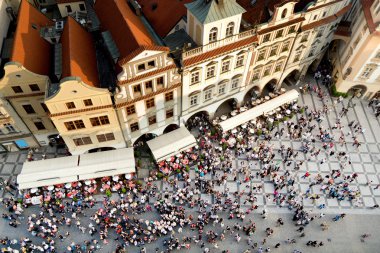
259	110
172	143
107	163
73	168
48	172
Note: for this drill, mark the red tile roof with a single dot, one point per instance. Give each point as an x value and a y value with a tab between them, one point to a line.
166	15
127	30
219	51
78	53
29	48
256	13
366	5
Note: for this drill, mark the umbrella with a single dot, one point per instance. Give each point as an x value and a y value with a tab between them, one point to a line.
106	186
223	117
59	185
251	130
50	187
33	190
74	184
244	126
186	161
91	189
128	176
176	166
115	178
87	182
234	131
68	186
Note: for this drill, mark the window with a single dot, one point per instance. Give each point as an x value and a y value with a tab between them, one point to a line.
34	87
168	96
283	14
149	85
195	77
137	89
278	67
70	105
131	110
149	103
292	29
230	29
225	66
39	125
105	137
311	53
367	72
152	120
239	61
28	109
285	46
304	37
208	94
235	83
76	124
213	35
134	127
82	7
261	55
44	107
320	32
68	9
160	80
221	89
82	141
210	72
151	64
297	57
169	113
256	75
267	70
193	100
9	128
99	121
87	102
141	67
324	14
315	17
266	37
273	51
17	89
279	33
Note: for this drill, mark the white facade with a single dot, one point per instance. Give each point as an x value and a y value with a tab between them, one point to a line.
4	22
68	8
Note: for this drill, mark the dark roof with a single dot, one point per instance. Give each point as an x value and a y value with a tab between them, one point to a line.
163	15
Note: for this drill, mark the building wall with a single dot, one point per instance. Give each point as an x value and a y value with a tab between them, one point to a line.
4	22
75	91
131	77
75	6
17	75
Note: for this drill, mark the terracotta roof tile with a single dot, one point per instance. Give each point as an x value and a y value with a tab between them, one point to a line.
78	53
165	16
127	30
29	48
366	5
257	13
219	51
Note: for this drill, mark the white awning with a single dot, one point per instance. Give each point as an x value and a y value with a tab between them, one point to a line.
259	110
73	168
172	143
48	172
107	163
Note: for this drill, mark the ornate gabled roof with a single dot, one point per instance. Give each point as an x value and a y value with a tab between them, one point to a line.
208	11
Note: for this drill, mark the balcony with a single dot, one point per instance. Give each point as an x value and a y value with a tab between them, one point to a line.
218	44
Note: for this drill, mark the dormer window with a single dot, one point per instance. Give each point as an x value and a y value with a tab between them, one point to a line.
230	29
213	35
141	67
283	14
146	66
151	64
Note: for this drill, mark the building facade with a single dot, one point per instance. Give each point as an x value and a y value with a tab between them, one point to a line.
357	58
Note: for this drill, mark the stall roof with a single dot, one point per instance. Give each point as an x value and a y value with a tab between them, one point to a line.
73	168
172	143
110	163
258	110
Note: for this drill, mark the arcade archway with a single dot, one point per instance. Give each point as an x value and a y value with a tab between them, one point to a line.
170	128
226	107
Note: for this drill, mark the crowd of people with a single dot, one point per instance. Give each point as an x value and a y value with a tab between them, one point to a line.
180	205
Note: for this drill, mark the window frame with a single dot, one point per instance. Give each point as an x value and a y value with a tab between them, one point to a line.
81	141
129	110
169	112
207	95
230	29
149	103
195	77
279	33
17	89
152	120
240	61
169	96
225	66
194	100
88	102
70	105
134	127
213	68
34	87
213	35
30	109
40	123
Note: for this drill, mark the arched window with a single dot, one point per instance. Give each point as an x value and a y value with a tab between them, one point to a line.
283	14
213	35
230	29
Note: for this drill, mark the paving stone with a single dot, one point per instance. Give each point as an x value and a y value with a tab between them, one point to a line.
232	187
7	169
373	178
332	203
357	167
354	157
369	168
12	157
373	148
365	190
361	179
345	203
368	201
366	157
